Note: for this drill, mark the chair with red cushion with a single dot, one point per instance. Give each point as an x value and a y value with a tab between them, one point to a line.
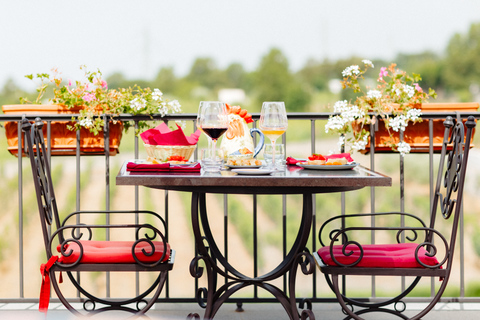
418	250
72	246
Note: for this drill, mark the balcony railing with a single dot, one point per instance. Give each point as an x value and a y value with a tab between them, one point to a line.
24	233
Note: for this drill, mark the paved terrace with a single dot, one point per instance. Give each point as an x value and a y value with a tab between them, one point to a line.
270	311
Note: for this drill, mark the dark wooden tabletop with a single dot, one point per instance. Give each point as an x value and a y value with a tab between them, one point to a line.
293	180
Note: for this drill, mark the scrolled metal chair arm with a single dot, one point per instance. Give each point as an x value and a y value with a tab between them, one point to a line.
431	248
349	216
64	245
124	212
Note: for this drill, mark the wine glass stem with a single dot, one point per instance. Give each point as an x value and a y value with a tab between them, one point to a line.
273	154
214	143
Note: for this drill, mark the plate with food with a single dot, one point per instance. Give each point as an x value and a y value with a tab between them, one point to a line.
243	163
253	171
319	162
328	166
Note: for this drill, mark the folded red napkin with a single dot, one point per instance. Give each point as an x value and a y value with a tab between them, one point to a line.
163	167
162	135
346	155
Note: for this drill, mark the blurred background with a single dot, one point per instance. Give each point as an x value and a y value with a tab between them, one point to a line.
266	50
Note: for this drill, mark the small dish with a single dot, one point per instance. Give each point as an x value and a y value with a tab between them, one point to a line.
347	166
252	171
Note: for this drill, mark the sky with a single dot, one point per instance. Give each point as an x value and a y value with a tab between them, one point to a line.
137	38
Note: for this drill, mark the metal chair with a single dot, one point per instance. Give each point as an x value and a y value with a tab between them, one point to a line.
77	251
419	250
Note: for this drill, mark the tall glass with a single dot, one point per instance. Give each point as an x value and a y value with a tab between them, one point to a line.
213	121
273	123
200	114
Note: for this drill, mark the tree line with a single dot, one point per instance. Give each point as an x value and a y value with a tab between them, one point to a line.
454	74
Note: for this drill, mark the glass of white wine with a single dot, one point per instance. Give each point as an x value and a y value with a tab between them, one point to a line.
273	123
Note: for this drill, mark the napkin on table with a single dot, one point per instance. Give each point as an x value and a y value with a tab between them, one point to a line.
162	167
162	135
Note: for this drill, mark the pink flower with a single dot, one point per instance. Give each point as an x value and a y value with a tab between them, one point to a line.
417	87
69	83
383	73
89	97
103	83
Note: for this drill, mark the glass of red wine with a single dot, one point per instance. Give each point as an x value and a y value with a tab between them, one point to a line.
213	121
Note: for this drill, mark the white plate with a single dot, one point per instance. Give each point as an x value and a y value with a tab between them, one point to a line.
347	166
242	167
252	171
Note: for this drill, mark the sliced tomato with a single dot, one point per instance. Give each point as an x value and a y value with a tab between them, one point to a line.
316	156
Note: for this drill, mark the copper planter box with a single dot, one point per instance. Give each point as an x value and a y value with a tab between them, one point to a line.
417	134
63	141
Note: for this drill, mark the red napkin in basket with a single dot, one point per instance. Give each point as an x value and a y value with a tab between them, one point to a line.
346	155
162	135
162	167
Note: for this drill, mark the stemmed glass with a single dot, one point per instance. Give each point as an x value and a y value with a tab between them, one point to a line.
273	123
199	115
212	119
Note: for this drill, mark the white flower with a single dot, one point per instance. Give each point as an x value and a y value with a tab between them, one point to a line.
157	94
352	113
360	144
414	114
86	122
374	94
398	89
340	106
398	123
175	105
163	109
349	71
334	123
138	104
368	62
409	90
403	148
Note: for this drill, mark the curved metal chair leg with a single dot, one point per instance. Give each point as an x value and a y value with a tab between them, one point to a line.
377	304
118	305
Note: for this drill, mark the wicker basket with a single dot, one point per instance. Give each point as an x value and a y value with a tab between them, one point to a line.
162	153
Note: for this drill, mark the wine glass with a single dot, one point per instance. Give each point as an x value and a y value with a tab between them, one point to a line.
213	121
200	114
273	123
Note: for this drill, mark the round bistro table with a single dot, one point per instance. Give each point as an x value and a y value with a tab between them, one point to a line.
293	180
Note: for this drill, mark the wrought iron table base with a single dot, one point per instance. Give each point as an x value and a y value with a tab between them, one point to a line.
209	253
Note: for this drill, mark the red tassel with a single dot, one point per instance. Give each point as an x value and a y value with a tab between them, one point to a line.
45	288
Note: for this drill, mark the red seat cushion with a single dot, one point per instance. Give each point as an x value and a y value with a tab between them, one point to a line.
400	255
113	252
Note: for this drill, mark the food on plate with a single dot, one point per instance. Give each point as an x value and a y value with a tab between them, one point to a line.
171	159
315	162
315	159
338	161
318	159
244	162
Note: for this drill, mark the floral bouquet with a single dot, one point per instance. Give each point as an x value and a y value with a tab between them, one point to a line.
394	99
95	98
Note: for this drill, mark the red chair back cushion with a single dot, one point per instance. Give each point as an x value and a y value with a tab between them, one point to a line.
113	252
400	255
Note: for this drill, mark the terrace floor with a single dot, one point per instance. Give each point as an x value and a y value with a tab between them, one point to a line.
323	311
